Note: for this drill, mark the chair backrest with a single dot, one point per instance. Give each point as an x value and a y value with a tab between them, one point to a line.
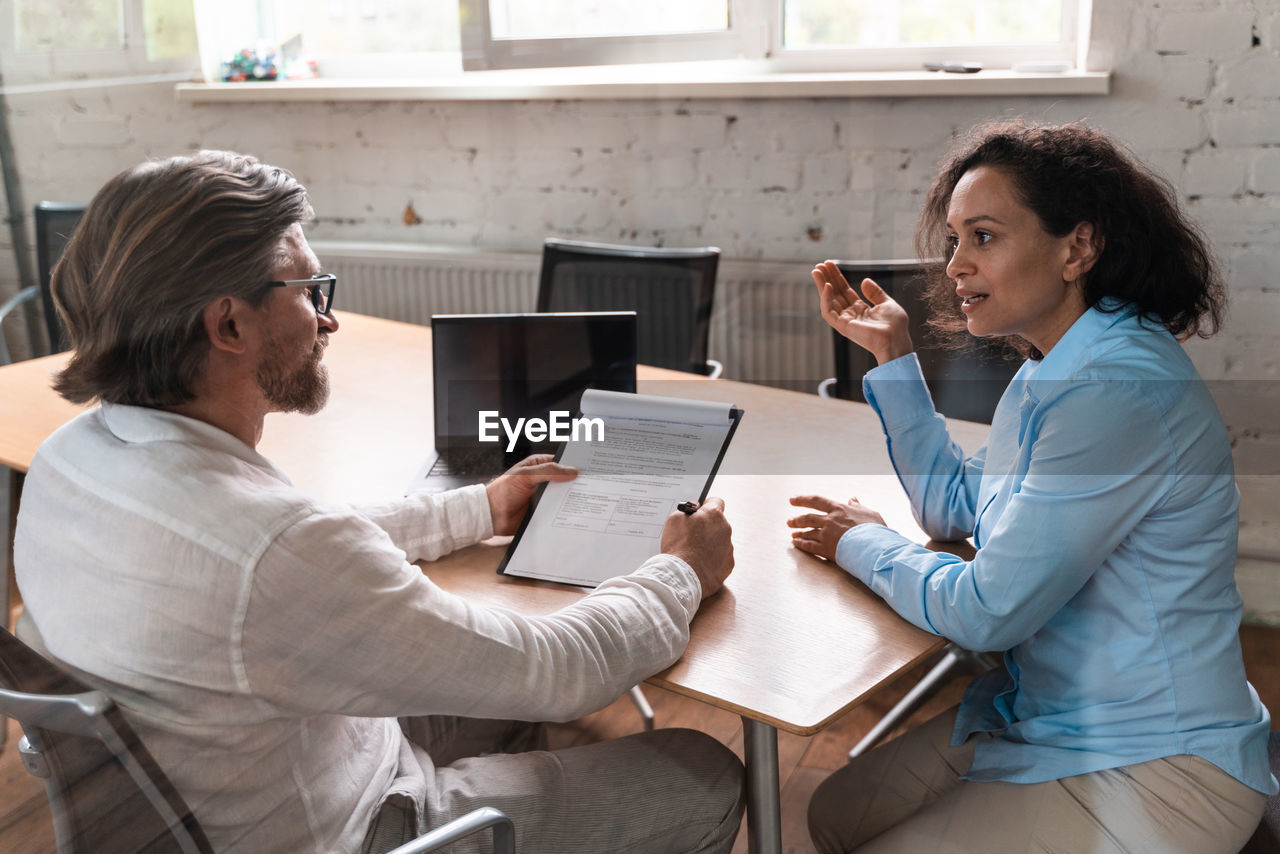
55	221
106	792
671	291
965	383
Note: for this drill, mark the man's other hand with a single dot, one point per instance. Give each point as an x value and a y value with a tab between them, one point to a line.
509	493
702	540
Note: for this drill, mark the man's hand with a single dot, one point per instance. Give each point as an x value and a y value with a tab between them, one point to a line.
702	540
823	530
509	493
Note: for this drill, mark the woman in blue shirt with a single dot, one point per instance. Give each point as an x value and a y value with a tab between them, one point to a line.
1104	512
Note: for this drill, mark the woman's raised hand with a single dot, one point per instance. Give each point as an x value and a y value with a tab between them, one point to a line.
872	321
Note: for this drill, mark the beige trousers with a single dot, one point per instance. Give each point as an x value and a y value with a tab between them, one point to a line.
906	797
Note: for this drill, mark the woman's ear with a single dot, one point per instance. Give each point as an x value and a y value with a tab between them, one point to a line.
1084	247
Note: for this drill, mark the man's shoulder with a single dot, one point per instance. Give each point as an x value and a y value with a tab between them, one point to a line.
158	477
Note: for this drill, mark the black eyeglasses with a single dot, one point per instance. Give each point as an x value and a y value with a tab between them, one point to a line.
321	285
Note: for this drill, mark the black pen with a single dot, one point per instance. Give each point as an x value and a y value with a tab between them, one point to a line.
687	507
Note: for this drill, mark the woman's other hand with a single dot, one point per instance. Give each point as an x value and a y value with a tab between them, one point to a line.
873	321
821	532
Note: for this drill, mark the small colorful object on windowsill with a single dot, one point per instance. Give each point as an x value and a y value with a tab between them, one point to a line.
249	66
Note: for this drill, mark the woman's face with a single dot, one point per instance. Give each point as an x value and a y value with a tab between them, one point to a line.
1014	278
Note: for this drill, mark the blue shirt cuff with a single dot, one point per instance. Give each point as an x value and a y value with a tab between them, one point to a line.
897	392
860	548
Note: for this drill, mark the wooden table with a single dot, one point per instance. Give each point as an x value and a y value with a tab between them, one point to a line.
791	643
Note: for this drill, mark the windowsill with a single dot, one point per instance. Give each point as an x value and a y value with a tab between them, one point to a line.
630	82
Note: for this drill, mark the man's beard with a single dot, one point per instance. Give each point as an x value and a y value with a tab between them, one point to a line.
305	390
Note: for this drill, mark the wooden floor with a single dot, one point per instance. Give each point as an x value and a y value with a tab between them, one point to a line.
803	762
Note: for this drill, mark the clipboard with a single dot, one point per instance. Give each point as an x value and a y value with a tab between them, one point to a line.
609	520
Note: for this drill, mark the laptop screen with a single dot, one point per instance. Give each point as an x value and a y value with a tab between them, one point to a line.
524	366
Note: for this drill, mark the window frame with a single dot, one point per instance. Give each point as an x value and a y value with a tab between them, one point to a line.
482	52
128	58
1001	55
755	34
215	48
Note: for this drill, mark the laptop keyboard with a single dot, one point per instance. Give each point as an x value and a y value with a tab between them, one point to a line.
478	464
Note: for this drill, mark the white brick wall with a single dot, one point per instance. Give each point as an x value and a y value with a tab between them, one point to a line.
791	179
1206	31
1266	171
1213	172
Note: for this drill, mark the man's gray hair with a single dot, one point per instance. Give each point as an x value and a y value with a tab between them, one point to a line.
158	243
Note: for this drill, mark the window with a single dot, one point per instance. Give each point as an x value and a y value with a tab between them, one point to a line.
903	34
413	38
72	39
529	33
89	25
345	38
787	34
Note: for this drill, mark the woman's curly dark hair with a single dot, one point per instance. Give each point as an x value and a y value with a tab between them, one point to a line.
1151	254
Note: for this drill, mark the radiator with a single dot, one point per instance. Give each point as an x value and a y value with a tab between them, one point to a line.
765	326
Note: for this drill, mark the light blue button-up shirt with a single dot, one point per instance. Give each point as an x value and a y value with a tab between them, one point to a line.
1105	512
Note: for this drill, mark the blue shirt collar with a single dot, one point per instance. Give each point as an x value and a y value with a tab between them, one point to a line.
1072	348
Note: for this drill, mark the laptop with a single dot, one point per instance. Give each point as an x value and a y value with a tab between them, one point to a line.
515	366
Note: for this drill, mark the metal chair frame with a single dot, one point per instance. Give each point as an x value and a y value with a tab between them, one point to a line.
65	707
9	306
54	708
476	821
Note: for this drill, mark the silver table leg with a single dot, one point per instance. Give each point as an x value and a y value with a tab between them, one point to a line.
764	804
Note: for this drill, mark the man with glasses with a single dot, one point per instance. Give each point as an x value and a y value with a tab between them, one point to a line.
302	683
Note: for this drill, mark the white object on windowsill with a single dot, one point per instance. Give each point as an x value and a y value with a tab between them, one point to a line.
1041	67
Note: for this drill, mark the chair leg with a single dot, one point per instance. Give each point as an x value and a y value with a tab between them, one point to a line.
642	706
10	486
953	657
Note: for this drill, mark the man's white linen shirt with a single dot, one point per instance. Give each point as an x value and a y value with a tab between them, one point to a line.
262	641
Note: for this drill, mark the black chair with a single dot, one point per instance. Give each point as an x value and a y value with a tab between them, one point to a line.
1266	839
671	291
106	793
55	222
965	384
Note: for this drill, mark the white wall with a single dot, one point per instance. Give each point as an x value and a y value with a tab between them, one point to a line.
1196	93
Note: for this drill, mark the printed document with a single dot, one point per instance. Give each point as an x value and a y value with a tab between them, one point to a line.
655	452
